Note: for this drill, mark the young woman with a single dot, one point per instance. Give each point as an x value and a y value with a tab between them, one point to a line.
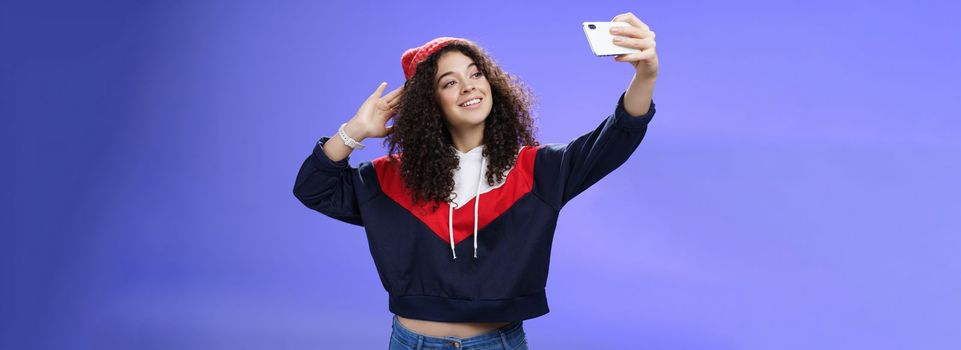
463	165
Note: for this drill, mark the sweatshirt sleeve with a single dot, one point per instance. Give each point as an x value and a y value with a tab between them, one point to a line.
562	171
328	186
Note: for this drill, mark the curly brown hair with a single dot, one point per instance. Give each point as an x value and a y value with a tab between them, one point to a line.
421	141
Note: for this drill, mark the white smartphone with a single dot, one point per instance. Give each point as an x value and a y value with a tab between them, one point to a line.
602	41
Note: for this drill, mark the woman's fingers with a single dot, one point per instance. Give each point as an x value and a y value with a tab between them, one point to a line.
388	101
394	93
631	19
393	103
632	32
378	92
641	44
634	57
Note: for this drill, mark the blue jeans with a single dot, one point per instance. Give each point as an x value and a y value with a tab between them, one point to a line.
509	337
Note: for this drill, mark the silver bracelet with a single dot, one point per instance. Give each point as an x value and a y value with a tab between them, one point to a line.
353	144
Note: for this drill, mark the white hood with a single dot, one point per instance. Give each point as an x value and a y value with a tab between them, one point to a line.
470	181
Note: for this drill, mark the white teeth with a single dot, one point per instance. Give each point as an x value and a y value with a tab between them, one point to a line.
471	102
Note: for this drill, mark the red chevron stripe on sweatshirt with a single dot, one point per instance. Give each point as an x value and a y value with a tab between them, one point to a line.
495	202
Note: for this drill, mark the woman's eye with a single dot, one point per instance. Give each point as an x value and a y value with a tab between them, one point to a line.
449	83
478	74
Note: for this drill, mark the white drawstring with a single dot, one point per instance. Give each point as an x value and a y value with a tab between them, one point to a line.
450	228
450	214
477	203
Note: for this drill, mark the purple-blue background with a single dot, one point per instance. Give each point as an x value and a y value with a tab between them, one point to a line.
798	188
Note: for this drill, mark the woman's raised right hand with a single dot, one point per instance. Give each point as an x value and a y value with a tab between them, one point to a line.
372	116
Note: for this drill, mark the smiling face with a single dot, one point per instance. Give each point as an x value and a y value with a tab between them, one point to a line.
463	91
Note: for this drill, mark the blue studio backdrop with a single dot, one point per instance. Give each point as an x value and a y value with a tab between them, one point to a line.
797	189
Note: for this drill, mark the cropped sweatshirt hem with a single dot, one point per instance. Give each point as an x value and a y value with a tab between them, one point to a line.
442	309
484	256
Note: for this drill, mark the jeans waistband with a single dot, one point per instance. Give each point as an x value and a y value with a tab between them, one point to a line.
508	336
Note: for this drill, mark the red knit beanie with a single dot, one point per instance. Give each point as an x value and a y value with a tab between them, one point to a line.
414	56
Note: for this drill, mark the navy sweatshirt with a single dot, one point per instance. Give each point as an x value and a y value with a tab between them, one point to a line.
426	259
